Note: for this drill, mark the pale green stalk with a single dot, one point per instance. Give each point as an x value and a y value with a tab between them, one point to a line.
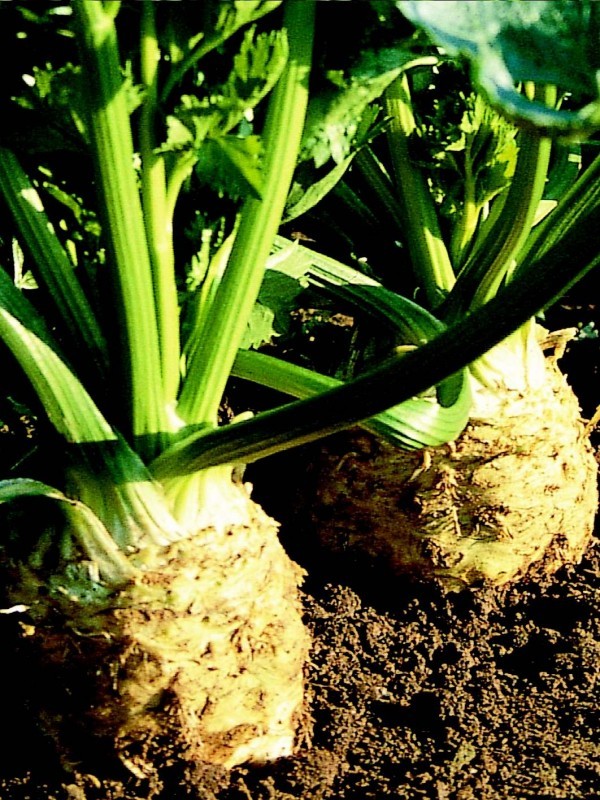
235	283
517	362
179	172
522	202
464	231
158	211
493	258
207	293
428	251
123	225
213	358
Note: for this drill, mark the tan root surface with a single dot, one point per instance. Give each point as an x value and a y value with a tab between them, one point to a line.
511	493
199	661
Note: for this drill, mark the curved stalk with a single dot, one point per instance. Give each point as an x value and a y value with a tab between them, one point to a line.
414	424
464	341
428	251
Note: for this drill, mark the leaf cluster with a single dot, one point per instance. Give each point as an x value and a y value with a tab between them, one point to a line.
462	144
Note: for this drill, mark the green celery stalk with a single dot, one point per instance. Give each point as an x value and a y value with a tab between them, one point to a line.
492	262
158	212
54	269
428	251
211	360
235	277
378	181
582	197
123	224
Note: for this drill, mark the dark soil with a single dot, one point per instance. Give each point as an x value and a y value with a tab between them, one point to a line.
482	695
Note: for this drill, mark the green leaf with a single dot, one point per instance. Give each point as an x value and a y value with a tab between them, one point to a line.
231	166
221	21
546	42
85	218
54	94
256	69
489	149
259	329
279	294
311	183
113	567
180	135
302	198
23	280
236	14
334	114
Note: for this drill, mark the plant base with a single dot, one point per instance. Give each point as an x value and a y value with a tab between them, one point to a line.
200	661
513	494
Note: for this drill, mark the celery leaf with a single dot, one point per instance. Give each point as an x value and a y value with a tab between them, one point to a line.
334	113
231	165
256	68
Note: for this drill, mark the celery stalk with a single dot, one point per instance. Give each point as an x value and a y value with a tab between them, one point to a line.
211	361
124	231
